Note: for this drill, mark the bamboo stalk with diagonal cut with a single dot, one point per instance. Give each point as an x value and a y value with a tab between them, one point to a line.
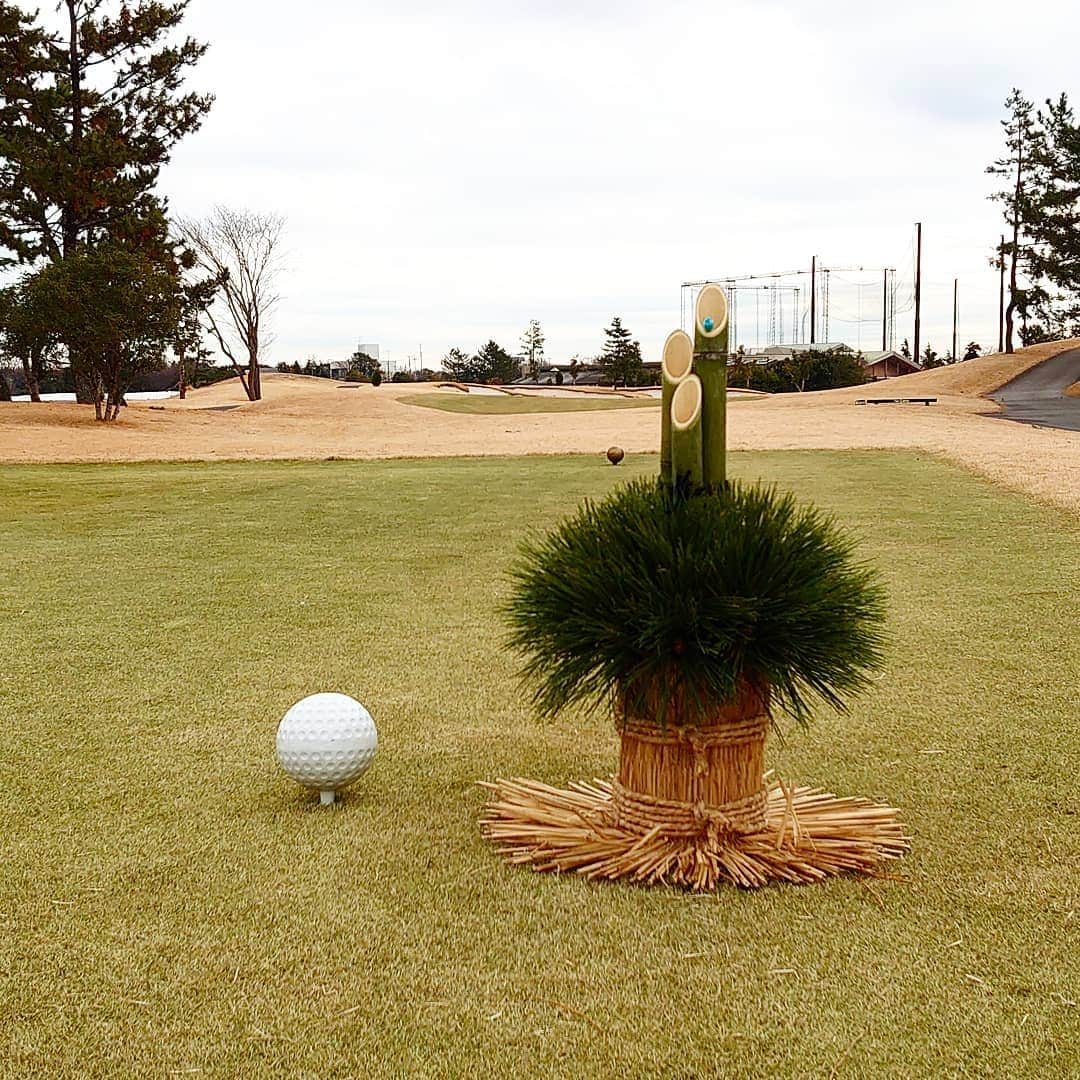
686	433
675	365
710	366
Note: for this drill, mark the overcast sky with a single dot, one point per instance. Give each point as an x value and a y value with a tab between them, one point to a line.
448	172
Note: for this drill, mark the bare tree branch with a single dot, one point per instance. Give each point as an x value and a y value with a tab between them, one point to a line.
243	248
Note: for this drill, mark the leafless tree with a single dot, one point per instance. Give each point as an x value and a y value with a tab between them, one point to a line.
243	250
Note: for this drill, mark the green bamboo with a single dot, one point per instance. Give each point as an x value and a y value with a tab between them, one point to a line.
675	364
710	363
686	432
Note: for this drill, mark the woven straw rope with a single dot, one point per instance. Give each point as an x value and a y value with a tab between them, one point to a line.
679	819
728	734
639	811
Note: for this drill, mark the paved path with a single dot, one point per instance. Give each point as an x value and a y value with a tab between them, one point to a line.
1037	397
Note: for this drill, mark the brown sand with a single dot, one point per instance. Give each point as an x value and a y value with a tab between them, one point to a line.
308	418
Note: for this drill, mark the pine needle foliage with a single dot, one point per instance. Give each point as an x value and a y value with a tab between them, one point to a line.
657	596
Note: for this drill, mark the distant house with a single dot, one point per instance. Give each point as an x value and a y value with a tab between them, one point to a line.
879	363
887	364
558	374
545	376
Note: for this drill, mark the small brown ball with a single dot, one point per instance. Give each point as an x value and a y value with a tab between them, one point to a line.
615	454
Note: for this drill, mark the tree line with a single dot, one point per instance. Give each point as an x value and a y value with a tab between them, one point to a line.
619	362
1040	202
109	284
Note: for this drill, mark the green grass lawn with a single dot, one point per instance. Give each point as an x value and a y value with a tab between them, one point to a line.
173	904
505	404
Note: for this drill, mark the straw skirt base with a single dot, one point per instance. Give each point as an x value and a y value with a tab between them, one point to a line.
809	835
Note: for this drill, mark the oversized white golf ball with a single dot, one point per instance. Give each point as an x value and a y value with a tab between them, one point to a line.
326	741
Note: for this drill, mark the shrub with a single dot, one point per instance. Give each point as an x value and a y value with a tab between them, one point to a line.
651	594
376	378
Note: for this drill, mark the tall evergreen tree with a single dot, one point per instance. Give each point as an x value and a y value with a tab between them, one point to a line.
126	305
365	366
532	347
88	117
28	328
491	364
1021	206
495	364
1055	256
621	359
458	366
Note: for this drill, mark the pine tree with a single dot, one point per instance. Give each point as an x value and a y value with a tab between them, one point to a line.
1021	205
532	347
28	330
458	366
621	359
126	305
495	364
1055	254
88	120
905	349
365	366
88	117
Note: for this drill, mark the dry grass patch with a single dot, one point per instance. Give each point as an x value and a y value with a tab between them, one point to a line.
506	404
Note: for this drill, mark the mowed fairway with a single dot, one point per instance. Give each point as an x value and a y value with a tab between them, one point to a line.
172	904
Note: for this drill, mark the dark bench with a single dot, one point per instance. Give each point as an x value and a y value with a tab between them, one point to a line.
897	401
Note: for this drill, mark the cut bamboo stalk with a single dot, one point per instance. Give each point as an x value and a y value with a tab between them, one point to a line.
710	363
686	432
675	364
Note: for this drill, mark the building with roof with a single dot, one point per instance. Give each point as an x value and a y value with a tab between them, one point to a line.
886	364
878	363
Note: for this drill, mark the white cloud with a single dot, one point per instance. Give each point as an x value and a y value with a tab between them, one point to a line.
448	174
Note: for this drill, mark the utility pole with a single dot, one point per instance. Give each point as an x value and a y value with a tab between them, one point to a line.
813	296
1001	296
918	285
885	311
955	314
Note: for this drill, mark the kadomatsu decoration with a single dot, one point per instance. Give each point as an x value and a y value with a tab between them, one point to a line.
696	610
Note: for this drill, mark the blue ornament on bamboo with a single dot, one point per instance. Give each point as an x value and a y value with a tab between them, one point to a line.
707	323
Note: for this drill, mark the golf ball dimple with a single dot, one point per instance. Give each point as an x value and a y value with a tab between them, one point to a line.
326	741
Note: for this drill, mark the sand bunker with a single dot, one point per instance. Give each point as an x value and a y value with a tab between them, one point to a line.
307	418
